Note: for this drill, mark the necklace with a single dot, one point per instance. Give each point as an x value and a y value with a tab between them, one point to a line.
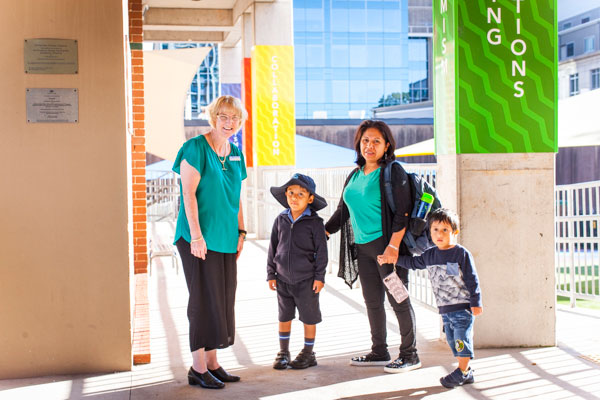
222	162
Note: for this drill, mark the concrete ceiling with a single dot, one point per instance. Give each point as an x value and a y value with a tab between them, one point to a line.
206	21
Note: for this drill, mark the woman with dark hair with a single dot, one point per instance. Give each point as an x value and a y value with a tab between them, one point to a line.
210	237
372	240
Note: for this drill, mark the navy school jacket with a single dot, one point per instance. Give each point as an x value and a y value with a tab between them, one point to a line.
298	251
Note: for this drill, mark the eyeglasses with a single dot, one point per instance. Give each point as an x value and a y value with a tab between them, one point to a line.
224	118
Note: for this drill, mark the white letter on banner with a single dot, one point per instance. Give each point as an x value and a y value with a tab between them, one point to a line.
520	68
523	50
497	37
497	18
443	5
444	46
519	89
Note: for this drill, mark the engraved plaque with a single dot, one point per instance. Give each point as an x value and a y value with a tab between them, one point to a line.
50	56
52	105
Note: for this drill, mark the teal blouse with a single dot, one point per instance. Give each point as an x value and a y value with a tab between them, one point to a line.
218	194
363	198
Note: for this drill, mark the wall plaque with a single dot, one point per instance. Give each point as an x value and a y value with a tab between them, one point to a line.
52	105
50	56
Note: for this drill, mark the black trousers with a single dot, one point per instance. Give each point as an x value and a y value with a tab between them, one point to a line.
371	280
212	284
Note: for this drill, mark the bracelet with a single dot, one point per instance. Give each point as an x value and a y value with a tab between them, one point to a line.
197	240
240	231
393	247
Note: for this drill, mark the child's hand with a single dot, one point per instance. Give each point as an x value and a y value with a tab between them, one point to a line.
476	311
272	284
317	286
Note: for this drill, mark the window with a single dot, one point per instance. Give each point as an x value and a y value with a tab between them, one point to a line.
570	49
567	25
588	44
573	84
584	20
595	79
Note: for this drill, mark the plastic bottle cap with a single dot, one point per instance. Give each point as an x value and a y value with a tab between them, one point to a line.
427	198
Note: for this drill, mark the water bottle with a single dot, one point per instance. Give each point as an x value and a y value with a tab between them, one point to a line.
425	206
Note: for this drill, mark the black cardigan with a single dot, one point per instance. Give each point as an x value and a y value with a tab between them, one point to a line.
390	223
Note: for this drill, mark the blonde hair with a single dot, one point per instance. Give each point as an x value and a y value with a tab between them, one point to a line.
215	107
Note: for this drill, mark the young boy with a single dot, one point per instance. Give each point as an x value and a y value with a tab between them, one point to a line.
296	265
456	288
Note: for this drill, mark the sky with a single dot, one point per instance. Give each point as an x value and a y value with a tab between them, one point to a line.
570	8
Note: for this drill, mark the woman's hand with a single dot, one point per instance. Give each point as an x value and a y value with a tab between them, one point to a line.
198	248
476	311
272	284
240	246
389	256
317	286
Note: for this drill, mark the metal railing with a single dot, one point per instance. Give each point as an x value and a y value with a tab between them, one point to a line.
162	196
577	216
262	209
577	220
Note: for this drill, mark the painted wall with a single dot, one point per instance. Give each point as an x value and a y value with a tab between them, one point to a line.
64	243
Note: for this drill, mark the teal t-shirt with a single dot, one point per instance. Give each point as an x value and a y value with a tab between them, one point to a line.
218	194
363	198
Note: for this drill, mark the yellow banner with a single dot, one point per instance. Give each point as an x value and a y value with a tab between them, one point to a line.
273	105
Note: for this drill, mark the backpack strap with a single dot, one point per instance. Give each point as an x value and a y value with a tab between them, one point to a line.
387	179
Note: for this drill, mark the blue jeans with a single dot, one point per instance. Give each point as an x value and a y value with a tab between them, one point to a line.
458	326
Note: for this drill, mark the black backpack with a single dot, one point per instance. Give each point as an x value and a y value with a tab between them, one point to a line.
417	236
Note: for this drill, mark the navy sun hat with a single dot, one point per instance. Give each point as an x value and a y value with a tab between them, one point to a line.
301	180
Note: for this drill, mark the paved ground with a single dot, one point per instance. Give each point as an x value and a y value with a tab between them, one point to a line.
571	370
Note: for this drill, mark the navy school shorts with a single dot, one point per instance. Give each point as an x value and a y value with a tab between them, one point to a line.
301	296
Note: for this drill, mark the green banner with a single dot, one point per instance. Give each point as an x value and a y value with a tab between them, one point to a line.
495	76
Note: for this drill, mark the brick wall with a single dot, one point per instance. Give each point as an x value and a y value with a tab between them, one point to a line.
138	140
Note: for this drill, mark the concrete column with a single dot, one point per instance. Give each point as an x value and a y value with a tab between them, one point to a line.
506	208
65	244
274	23
495	129
230	70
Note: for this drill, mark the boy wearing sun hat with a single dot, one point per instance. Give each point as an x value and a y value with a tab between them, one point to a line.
296	265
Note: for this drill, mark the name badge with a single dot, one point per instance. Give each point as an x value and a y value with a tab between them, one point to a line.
234	158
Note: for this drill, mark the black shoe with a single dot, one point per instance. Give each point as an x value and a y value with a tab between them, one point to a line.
304	359
403	364
223	375
371	360
282	360
206	380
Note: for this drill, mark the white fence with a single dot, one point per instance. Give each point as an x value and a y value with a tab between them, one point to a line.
162	196
262	209
577	216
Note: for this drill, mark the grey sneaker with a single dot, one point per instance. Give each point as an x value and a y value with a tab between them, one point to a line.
402	364
457	378
371	360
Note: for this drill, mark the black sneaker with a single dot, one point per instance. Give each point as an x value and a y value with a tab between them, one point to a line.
402	364
282	360
371	360
457	378
304	359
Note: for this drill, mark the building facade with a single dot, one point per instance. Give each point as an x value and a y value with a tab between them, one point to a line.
579	54
353	56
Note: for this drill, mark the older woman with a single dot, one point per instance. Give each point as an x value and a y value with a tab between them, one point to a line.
210	236
372	235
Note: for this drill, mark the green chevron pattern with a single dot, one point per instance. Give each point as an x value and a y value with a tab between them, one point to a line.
494	113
